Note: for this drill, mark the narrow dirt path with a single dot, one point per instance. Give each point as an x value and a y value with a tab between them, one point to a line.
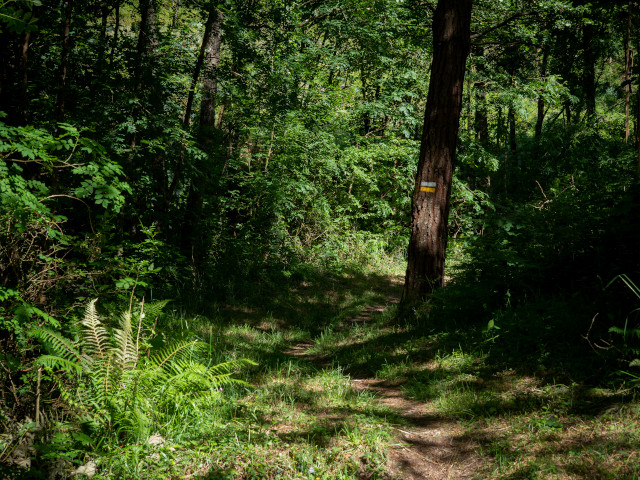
429	446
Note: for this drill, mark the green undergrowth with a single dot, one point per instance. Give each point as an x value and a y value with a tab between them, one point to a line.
523	379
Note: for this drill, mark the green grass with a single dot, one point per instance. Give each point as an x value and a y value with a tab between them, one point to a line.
533	402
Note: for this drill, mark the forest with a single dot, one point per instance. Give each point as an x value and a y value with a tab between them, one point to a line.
320	239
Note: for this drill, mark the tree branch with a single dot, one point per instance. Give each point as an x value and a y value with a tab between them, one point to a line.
502	24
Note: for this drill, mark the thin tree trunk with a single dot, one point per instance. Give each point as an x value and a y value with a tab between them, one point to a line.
589	75
176	10
116	28
627	75
513	146
145	68
481	121
24	78
196	72
102	43
638	123
432	190
469	105
147	47
62	75
541	110
499	128
193	238
365	118
210	79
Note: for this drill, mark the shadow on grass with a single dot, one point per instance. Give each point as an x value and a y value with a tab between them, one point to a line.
313	301
508	355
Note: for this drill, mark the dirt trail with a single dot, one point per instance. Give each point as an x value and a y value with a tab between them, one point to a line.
429	446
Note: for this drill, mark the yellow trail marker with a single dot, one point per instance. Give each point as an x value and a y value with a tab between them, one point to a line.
428	187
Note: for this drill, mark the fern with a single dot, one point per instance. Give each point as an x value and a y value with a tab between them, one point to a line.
174	352
114	386
52	362
61	346
125	352
630	334
96	338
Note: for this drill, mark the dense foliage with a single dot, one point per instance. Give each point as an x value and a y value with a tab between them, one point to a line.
215	151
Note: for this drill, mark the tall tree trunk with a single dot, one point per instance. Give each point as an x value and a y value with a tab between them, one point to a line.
469	105
511	115
102	42
366	119
589	74
208	28
116	28
541	111
627	75
192	237
62	75
145	67
567	112
499	127
481	120
638	123
147	48
210	79
176	10
24	78
432	190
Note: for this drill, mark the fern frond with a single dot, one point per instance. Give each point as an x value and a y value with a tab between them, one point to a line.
104	375
53	362
125	351
173	352
95	337
72	398
231	365
152	311
59	345
189	375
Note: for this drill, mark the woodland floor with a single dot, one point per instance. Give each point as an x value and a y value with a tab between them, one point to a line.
428	446
343	390
452	410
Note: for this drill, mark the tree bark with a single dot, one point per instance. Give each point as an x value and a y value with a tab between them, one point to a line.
198	68
430	209
627	75
541	111
62	75
589	74
481	121
567	112
146	48
102	42
24	101
146	67
210	79
116	28
192	236
513	145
